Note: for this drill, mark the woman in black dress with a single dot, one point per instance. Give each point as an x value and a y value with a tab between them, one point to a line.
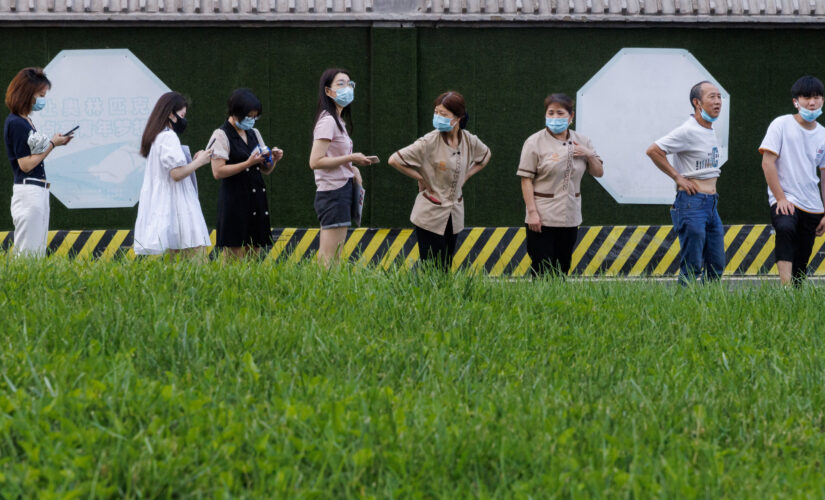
239	159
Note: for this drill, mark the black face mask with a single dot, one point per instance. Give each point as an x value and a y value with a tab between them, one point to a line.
179	126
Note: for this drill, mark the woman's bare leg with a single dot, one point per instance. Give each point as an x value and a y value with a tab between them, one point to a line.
234	252
332	241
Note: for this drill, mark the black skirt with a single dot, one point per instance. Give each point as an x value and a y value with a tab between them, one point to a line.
243	211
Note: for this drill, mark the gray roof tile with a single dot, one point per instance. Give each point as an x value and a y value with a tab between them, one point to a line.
442	11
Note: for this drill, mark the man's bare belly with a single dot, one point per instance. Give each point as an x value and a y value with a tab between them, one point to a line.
707	186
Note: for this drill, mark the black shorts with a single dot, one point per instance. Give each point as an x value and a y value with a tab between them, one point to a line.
334	208
794	239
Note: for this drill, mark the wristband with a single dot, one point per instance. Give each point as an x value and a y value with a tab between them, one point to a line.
53	145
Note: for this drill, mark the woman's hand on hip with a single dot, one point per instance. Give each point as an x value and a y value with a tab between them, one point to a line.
428	191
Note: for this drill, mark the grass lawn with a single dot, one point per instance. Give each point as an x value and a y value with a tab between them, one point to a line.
276	380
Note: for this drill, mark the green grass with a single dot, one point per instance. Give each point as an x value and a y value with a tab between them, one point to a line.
157	379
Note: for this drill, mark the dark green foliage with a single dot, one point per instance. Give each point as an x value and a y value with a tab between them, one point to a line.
504	72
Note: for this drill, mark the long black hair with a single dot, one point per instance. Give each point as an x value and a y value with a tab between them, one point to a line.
326	103
170	102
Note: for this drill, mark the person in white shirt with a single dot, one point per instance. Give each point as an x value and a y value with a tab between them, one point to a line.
792	151
695	168
169	213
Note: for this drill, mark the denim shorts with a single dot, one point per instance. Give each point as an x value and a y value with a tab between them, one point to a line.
334	208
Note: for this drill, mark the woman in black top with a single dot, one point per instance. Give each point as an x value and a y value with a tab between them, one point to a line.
27	149
239	159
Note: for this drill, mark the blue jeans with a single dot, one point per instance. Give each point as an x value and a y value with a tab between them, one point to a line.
701	236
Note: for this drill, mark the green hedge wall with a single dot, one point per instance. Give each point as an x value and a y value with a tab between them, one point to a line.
504	73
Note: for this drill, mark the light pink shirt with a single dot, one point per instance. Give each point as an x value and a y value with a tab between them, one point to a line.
340	144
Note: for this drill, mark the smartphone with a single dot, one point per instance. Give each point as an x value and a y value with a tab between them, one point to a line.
70	132
373	159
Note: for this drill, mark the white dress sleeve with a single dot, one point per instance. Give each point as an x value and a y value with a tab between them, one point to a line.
171	153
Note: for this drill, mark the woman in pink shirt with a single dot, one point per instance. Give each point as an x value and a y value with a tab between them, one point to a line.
331	159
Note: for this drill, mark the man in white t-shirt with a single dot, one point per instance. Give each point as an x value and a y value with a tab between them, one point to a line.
792	151
695	168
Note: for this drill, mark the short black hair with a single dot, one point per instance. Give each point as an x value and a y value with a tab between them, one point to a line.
562	100
808	86
242	102
696	92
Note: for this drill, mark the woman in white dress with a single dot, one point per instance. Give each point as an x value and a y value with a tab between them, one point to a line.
169	214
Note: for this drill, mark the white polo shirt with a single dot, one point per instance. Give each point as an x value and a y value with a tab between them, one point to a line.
695	150
801	153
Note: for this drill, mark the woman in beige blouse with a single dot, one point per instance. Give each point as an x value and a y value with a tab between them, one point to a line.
553	161
441	162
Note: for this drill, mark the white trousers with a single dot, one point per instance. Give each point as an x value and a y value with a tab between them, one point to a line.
30	215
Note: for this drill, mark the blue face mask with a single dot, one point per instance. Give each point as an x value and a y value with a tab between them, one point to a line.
343	97
39	104
557	125
809	115
707	117
442	123
247	123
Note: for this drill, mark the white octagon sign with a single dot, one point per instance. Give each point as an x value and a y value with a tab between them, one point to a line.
637	97
109	94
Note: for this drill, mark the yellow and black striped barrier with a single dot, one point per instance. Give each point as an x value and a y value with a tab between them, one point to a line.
600	250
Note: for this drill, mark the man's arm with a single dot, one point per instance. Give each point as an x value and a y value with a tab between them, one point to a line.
659	158
783	206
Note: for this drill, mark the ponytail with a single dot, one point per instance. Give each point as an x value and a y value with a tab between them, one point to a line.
462	124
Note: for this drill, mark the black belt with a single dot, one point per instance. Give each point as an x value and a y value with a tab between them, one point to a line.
37	182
